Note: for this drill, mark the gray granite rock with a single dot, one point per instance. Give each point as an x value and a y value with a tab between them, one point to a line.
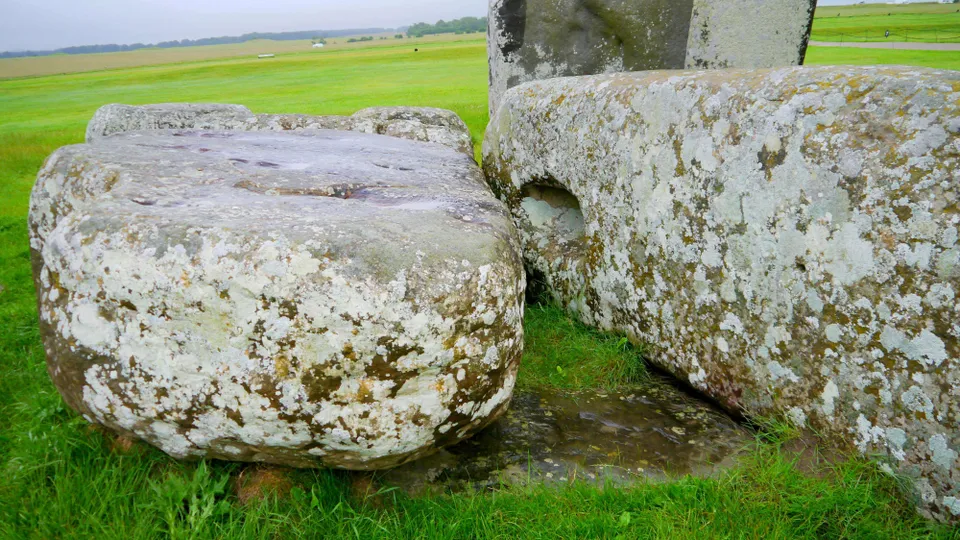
786	240
321	298
414	123
537	39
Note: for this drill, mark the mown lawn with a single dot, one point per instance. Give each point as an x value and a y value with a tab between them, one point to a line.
60	64
60	478
865	57
920	22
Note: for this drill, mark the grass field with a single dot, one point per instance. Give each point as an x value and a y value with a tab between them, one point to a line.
62	479
77	63
843	56
927	22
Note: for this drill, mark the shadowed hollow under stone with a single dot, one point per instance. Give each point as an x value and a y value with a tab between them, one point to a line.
323	298
645	432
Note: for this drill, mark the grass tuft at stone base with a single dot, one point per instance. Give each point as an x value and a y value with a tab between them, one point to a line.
562	353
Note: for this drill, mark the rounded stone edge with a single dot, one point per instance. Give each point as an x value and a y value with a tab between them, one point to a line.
516	150
67	183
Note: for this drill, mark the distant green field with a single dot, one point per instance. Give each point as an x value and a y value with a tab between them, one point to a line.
849	56
60	64
928	23
60	479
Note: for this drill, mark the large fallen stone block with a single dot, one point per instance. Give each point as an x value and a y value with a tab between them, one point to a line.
538	39
323	298
415	123
786	240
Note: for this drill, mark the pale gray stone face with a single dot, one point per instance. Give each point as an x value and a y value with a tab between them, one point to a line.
414	123
538	39
323	298
786	240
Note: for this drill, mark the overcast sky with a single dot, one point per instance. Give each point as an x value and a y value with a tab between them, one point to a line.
52	24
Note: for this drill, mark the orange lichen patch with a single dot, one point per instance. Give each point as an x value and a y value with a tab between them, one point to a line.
283	366
119	444
257	482
126	445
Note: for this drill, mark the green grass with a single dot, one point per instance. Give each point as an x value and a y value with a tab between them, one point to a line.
928	22
849	56
561	353
59	478
81	489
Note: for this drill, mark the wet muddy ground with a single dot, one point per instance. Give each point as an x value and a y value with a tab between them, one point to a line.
649	432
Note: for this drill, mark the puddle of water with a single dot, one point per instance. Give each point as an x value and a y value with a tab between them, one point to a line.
648	432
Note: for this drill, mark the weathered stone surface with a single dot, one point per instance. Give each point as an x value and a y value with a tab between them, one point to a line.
317	298
649	432
787	240
537	39
415	123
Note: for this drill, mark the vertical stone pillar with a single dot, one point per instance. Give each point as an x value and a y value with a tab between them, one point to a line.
539	39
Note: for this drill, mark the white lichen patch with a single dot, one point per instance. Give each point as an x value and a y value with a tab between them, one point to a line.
288	298
786	240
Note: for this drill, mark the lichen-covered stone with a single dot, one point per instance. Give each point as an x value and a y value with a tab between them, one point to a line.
415	123
538	39
786	240
322	298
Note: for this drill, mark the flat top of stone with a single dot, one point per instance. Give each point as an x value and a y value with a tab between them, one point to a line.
335	189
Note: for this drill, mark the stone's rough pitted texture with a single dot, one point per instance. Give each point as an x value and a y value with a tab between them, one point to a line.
538	39
787	240
117	118
749	33
414	123
316	298
648	432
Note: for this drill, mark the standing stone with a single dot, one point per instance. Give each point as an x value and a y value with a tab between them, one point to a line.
538	39
787	241
323	298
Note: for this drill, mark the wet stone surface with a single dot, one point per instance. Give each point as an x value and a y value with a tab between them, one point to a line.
648	432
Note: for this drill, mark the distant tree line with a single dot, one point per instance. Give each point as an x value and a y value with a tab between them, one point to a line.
315	35
466	25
